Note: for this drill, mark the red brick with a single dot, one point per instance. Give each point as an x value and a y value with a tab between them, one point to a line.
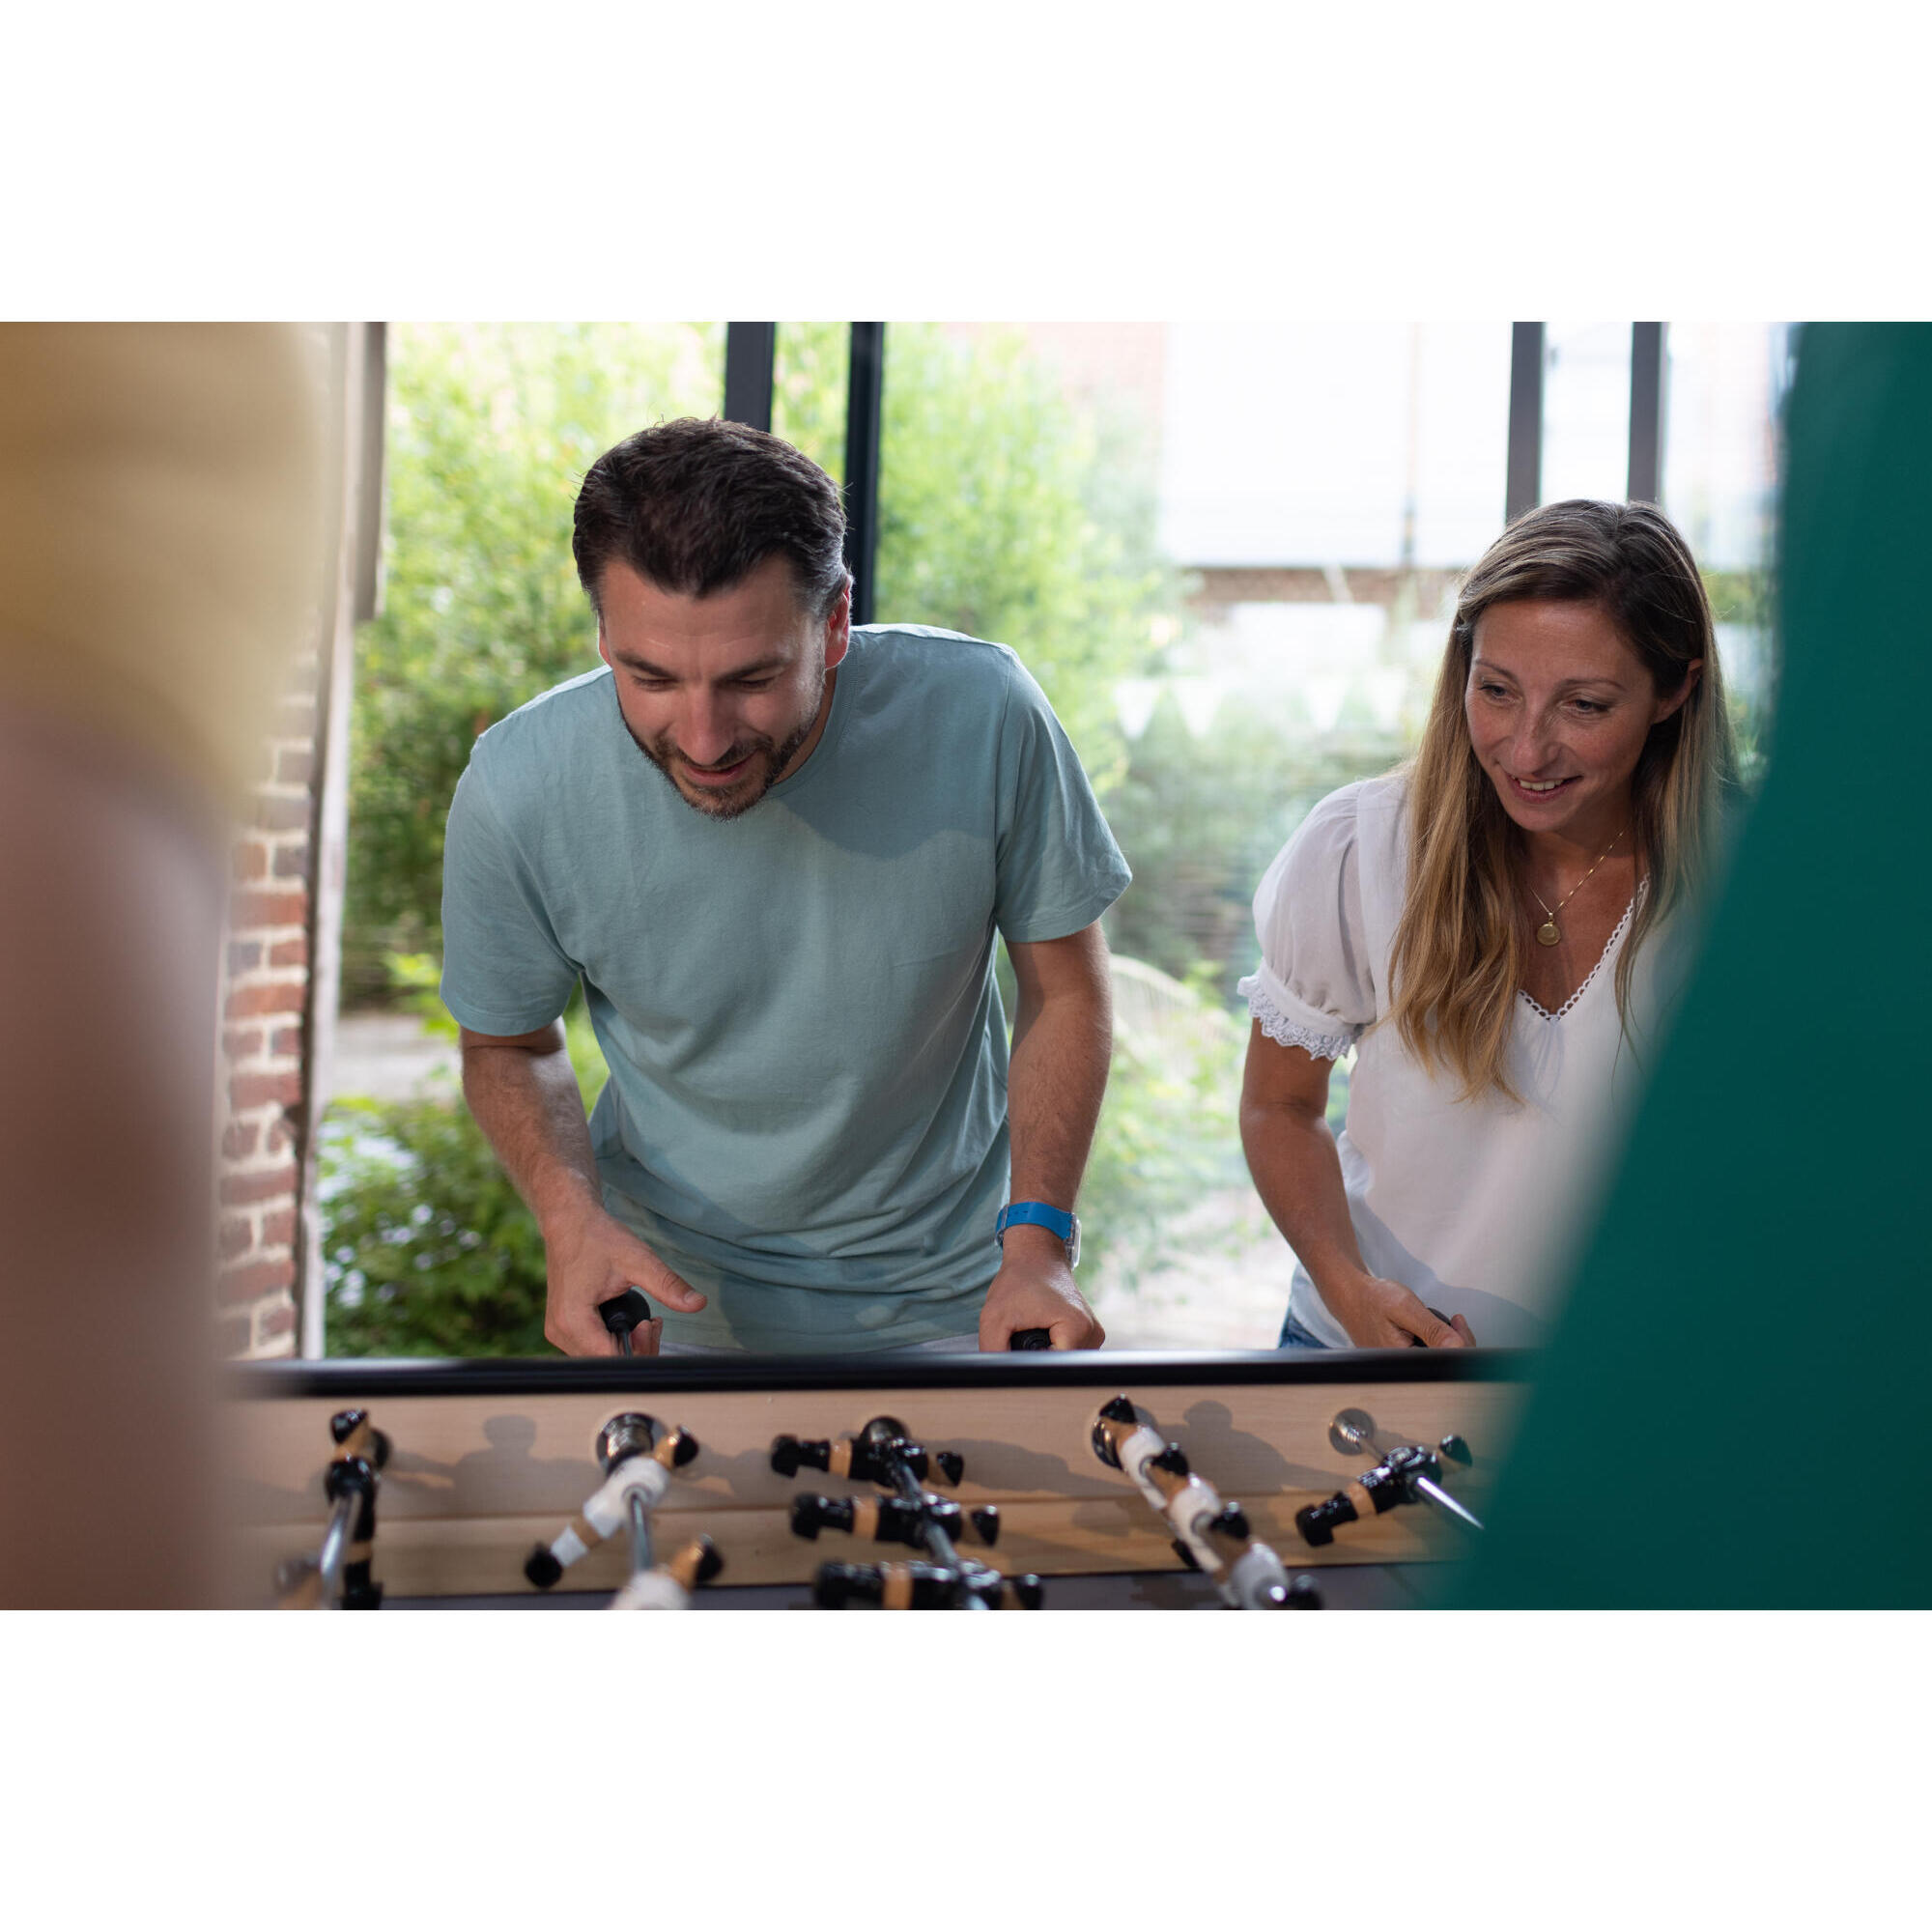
239	1138
249	861
256	1090
287	996
244	957
292	861
278	813
275	1322
289	953
236	1335
285	1040
242	1042
278	1228
249	1281
295	766
264	908
262	1185
281	1134
236	1237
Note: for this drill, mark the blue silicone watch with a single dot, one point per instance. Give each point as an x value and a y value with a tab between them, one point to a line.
1056	1220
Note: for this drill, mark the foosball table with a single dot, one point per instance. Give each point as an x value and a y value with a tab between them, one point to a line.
1084	1480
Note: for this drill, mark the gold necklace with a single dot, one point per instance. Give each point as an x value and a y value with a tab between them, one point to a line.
1548	934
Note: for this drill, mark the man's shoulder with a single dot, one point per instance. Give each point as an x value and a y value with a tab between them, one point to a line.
548	723
927	651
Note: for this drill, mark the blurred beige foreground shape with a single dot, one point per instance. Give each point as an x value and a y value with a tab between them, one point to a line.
162	528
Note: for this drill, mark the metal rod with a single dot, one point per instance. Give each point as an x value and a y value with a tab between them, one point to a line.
641	1535
335	1548
1435	1494
937	1542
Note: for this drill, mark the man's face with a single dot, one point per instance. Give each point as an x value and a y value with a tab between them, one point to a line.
726	693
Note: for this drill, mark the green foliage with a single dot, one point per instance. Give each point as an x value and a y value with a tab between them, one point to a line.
491	429
809	373
1200	819
1005	513
1168	1134
427	1248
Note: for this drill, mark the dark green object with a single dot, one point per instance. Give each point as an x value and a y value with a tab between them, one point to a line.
1744	1364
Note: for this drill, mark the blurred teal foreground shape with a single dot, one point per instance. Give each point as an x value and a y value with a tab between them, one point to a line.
1737	1408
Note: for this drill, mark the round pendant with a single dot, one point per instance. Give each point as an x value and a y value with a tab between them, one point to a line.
1548	935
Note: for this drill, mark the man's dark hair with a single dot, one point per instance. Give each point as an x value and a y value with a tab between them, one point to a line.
694	506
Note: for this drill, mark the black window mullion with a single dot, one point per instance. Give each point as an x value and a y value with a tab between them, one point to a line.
1523	490
750	349
864	394
1646	430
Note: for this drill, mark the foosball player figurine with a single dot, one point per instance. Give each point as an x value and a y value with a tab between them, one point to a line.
670	1585
1211	1535
883	1453
636	1462
922	1586
339	1575
888	1519
1406	1473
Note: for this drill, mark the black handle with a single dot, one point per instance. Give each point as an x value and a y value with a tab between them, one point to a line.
624	1312
1030	1337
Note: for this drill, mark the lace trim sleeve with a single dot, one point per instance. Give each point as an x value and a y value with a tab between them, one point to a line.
1285	1032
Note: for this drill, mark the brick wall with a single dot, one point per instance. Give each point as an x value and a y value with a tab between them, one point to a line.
265	997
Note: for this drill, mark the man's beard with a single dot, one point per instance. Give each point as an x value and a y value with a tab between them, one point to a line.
769	759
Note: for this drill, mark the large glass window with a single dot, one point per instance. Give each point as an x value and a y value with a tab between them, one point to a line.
1586	400
1225	551
1724	387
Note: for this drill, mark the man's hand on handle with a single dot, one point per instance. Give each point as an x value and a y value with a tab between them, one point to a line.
594	1258
1035	1289
1381	1314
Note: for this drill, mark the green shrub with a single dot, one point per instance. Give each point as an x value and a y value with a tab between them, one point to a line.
427	1250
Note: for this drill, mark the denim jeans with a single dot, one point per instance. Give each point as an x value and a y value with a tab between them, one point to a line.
1295	1336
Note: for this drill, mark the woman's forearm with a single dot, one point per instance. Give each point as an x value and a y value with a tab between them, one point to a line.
1298	1173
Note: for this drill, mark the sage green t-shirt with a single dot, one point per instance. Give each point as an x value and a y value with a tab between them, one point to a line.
805	1116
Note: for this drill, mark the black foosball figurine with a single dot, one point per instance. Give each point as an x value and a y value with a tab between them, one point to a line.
638	1462
922	1586
1209	1535
338	1576
1403	1473
883	1453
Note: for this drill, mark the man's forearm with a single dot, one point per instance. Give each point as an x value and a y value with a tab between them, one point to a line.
1054	1089
527	1102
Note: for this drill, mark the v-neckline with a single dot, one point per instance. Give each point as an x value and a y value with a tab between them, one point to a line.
1610	945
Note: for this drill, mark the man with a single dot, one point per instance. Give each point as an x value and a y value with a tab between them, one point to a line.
775	850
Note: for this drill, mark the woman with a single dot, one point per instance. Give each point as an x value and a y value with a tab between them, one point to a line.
1495	926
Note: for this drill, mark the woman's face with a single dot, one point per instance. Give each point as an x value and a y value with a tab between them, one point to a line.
1559	707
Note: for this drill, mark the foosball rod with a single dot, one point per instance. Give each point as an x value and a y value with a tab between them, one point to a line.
1353	1433
908	1486
1213	1536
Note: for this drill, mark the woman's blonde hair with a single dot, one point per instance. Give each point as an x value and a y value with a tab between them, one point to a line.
1460	953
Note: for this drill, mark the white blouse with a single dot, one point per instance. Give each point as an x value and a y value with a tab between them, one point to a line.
1472	1204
